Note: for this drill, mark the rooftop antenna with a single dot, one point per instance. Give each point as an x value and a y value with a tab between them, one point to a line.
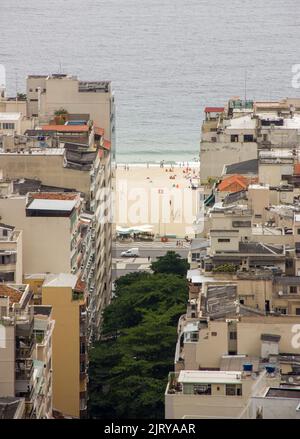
245	85
16	78
59	67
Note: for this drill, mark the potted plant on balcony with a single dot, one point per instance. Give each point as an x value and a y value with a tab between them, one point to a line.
60	116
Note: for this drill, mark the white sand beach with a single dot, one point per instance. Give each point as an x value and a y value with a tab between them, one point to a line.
156	195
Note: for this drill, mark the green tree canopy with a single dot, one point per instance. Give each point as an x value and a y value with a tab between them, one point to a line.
129	366
171	263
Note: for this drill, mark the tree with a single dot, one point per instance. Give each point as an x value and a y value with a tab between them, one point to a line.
129	366
170	263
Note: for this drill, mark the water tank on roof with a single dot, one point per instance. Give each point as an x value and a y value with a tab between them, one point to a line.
247	367
270	369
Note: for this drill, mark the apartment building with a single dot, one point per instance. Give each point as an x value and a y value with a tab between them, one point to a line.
50	225
217	394
248	130
74	140
17	344
222	331
14	123
49	93
66	295
237	351
11	262
43	333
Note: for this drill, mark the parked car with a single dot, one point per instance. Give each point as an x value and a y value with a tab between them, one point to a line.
130	253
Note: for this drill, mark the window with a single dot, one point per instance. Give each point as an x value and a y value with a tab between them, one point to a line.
33	100
195	257
7	277
298	231
293	290
4	232
214	334
248	138
241	224
257	216
233	335
234	138
281	310
30	90
203	389
233	389
8	126
223	240
297	311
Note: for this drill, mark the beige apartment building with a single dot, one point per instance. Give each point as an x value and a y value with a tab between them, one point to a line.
65	294
43	333
77	154
247	130
216	394
11	254
50	225
20	377
47	94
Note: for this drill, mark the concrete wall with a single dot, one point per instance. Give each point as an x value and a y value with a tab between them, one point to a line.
46	240
7	360
255	292
249	334
276	408
47	168
63	93
197	406
210	348
213	156
259	199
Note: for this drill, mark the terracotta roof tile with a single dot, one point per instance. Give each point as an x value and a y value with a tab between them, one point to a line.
13	294
80	285
66	128
238	180
53	196
214	109
106	144
99	131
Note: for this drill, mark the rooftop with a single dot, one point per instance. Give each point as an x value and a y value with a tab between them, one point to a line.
66	128
214	109
9	406
243	122
209	377
52	205
44	310
245	167
282	392
53	196
259	248
60	280
237	362
10	116
13	294
99	131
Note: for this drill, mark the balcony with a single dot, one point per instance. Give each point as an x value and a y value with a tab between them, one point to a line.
25	351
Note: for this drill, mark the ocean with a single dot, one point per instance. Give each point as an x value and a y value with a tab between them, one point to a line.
167	59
